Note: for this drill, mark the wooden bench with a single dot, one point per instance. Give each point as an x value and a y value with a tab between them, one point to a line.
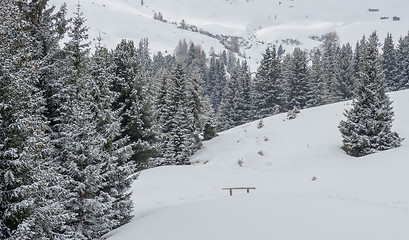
237	188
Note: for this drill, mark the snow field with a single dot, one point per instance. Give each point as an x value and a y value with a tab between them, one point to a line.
351	198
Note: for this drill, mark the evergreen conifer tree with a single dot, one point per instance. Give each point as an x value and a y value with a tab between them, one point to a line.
134	102
330	61
117	170
29	186
267	90
346	84
176	119
402	55
296	77
318	85
368	124
389	63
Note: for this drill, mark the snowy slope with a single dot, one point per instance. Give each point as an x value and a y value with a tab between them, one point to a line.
258	23
351	198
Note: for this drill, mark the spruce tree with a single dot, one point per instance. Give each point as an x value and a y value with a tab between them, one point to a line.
236	105
330	61
29	186
134	102
402	55
267	88
318	86
82	154
117	170
215	81
389	63
176	119
296	77
368	123
346	84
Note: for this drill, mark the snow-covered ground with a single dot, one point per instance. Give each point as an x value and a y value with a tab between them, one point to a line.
260	23
351	198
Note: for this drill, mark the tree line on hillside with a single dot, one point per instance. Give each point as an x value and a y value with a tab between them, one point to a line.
303	79
77	125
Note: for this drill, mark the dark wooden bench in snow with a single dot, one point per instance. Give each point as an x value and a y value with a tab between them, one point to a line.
238	188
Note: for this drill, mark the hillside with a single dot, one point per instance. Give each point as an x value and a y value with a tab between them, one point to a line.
351	198
256	23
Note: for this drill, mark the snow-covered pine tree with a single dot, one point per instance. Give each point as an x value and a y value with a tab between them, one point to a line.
296	78
134	102
318	85
116	170
267	86
227	114
368	124
80	144
29	186
144	57
244	98
346	84
359	55
402	56
236	105
215	81
176	119
389	63
330	52
195	107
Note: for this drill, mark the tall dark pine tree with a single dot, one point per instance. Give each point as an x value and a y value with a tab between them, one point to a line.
346	84
176	119
267	86
319	94
390	64
133	102
296	76
368	124
215	81
330	51
116	168
402	55
236	105
81	146
29	186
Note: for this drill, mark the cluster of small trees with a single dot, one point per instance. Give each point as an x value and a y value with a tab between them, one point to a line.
76	126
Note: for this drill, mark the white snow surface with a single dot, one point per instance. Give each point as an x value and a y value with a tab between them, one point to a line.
351	198
261	23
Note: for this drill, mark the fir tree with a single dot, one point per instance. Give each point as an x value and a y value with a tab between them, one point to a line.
267	90
176	119
346	84
82	153
389	63
318	85
29	186
402	55
117	170
215	81
367	128
296	77
236	104
134	103
330	61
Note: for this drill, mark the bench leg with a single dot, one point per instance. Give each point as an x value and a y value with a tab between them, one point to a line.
231	192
